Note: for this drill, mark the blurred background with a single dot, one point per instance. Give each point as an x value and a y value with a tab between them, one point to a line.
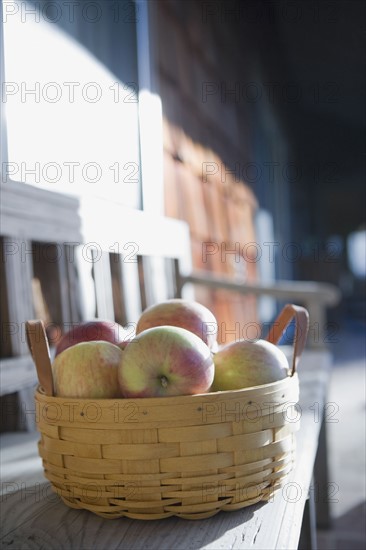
245	119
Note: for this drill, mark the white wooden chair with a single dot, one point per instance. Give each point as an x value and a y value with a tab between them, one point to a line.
89	263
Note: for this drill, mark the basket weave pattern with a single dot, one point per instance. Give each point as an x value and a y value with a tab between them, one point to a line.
188	456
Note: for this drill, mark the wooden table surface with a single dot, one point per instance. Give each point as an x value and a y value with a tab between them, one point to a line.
33	517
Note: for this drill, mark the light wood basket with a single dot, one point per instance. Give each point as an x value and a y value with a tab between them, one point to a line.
187	456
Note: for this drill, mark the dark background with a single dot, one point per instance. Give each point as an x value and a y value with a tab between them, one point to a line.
324	53
319	46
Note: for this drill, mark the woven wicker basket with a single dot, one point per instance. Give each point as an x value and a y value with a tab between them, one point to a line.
187	456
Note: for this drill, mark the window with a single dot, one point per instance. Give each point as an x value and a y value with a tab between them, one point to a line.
70	94
82	125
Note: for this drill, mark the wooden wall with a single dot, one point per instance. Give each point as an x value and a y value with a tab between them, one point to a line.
206	145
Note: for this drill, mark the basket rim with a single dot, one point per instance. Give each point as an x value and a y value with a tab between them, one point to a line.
252	391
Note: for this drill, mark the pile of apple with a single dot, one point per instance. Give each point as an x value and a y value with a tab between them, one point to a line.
174	352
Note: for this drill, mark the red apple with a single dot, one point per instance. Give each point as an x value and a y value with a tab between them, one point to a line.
177	312
245	363
166	361
97	329
88	369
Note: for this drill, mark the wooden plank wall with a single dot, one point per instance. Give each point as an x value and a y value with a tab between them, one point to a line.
206	144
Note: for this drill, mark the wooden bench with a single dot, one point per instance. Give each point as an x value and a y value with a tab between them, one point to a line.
161	246
33	515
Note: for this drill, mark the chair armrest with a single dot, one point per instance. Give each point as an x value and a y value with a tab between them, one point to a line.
315	296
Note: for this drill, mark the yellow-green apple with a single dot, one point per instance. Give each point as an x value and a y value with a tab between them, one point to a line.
165	361
246	363
97	329
88	369
122	345
182	313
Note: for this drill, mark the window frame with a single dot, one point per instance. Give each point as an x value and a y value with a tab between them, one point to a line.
56	221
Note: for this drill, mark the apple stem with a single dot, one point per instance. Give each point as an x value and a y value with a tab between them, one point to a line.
164	381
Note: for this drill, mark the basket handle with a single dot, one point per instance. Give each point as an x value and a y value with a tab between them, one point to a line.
38	346
301	316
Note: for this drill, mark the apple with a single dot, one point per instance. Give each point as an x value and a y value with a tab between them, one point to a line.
246	363
187	314
165	361
97	329
122	345
88	369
